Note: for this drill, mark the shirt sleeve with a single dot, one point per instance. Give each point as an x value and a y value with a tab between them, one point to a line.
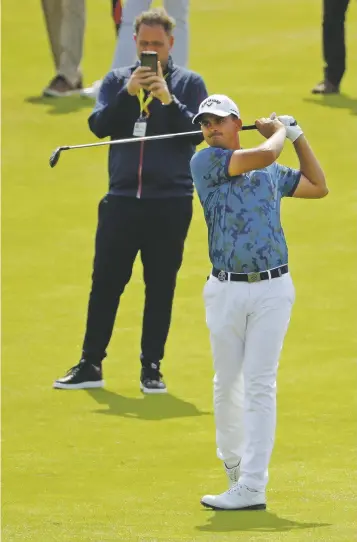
182	112
209	168
287	179
113	110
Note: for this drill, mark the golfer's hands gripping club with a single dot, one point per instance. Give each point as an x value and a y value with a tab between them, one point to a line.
293	130
268	127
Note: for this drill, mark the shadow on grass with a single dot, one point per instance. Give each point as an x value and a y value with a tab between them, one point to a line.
338	101
61	106
258	521
147	407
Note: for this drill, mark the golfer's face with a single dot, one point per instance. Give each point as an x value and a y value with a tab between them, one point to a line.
154	38
218	131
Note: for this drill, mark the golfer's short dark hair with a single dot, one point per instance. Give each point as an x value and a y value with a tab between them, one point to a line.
157	16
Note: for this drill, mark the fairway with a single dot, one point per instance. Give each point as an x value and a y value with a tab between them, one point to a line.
111	464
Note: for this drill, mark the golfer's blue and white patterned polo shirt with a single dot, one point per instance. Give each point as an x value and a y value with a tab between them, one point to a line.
243	212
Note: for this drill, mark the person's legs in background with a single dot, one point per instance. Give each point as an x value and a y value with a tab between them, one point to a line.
52	11
179	10
65	20
167	224
334	49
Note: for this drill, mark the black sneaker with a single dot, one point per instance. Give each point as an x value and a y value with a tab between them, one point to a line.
81	376
151	381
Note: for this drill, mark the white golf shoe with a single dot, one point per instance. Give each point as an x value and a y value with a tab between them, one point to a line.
233	474
93	91
239	497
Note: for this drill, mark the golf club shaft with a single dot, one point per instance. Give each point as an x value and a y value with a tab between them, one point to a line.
144	138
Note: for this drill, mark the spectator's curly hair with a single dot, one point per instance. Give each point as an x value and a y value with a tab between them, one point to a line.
157	16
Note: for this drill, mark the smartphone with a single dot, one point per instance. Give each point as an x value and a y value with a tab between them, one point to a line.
149	58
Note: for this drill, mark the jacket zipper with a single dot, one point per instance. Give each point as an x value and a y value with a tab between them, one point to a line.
140	170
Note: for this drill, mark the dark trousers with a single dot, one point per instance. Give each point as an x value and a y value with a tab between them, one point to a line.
156	228
334	39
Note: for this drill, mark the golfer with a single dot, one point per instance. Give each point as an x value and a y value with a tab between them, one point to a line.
249	294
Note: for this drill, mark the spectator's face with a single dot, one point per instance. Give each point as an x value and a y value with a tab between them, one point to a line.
220	131
154	38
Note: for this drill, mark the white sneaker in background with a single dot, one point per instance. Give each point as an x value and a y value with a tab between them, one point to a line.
91	92
239	497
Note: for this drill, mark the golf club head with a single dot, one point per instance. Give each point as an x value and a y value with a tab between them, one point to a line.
55	156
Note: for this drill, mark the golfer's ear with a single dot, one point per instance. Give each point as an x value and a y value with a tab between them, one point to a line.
239	123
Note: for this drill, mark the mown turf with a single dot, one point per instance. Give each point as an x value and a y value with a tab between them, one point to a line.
113	465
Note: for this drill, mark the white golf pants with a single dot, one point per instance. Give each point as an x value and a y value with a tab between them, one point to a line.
247	324
125	51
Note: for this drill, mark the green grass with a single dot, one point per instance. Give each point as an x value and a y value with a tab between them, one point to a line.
113	465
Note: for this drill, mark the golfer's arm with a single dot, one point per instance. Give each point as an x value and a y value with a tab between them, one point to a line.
244	160
312	183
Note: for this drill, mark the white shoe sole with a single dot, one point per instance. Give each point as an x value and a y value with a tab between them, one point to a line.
89	94
81	386
56	94
151	391
245	508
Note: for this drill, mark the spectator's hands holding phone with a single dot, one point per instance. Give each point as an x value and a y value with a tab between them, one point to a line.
158	86
140	78
144	77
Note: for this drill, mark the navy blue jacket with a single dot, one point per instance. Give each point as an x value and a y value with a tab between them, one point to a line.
150	169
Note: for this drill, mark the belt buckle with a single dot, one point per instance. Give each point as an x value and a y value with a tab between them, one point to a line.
221	276
254	277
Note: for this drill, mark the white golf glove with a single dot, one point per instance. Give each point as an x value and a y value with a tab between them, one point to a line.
292	132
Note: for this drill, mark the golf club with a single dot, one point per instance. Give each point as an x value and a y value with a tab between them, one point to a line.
56	153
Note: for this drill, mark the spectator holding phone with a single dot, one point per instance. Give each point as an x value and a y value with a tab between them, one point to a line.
149	204
124	54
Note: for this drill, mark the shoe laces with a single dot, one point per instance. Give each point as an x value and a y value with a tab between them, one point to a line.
76	368
235	488
233	472
152	374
